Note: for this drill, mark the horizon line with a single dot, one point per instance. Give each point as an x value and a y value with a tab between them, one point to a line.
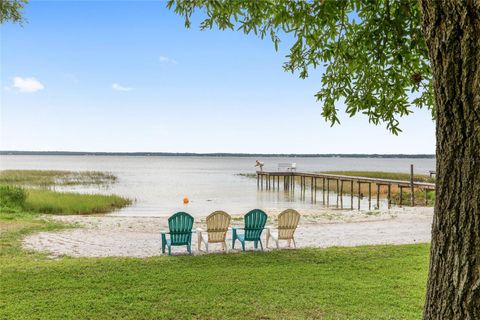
218	154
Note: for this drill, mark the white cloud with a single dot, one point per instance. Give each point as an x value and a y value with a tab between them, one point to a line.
27	85
164	59
118	87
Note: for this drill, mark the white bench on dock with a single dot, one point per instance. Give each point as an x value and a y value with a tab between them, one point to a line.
287	166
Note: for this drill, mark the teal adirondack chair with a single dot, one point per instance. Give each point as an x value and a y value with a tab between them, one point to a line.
254	224
180	225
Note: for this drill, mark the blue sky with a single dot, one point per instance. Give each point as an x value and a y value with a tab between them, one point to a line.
128	76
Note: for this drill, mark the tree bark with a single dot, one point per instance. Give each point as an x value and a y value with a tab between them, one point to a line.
452	35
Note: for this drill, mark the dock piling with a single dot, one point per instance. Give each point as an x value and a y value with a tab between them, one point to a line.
328	192
412	195
359	193
311	187
351	194
389	196
337	191
378	197
401	195
369	195
341	194
323	190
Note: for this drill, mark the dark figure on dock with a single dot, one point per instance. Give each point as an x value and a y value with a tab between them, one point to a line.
259	164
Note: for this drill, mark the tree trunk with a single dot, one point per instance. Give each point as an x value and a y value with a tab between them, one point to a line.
452	34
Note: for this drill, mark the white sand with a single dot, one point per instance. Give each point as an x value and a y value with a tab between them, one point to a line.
102	236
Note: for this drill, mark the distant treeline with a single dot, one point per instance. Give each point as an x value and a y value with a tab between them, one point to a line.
188	154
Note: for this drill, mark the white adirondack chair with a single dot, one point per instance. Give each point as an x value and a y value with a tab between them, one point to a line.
287	224
217	227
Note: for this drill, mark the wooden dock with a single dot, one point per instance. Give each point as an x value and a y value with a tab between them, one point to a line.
274	180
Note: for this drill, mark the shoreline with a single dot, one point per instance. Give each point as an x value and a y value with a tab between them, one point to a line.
120	236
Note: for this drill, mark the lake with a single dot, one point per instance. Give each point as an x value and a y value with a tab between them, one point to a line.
159	183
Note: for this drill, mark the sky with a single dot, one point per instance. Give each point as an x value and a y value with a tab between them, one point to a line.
120	76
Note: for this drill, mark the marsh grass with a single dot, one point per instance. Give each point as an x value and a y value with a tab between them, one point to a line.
49	178
41	200
247	175
54	202
370	282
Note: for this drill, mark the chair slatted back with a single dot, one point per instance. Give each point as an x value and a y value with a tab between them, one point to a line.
287	223
217	226
180	225
255	221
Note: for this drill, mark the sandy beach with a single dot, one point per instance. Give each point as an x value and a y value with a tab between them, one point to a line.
107	235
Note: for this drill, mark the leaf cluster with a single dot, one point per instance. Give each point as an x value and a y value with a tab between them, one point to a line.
11	10
372	52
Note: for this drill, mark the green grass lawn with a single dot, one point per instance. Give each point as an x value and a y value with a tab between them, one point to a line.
372	282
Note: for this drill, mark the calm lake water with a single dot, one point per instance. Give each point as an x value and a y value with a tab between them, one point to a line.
159	184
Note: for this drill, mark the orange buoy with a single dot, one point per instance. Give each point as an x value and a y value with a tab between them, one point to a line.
185	200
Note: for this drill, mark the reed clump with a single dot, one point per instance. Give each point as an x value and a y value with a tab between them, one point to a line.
54	202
